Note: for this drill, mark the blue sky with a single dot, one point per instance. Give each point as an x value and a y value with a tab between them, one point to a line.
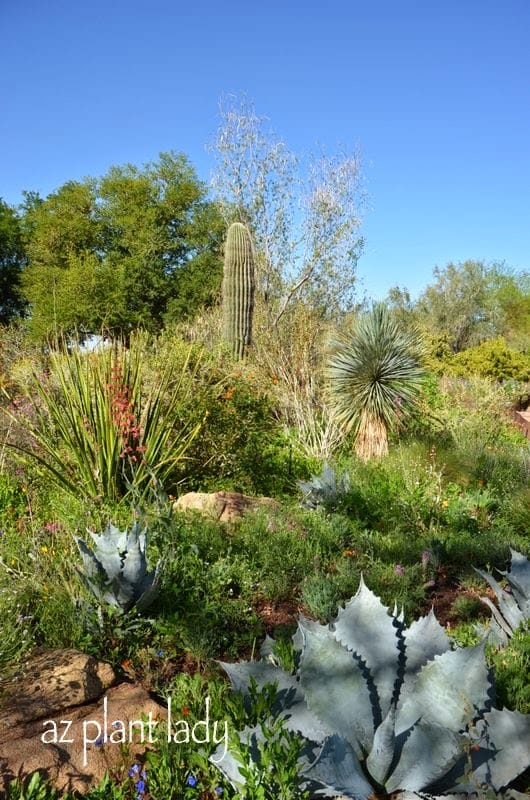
435	94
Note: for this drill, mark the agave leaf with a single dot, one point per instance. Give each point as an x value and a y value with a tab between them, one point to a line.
428	752
381	756
134	560
507	604
148	590
338	770
355	628
519	579
520	571
424	640
290	702
449	691
227	761
110	546
502	631
504	738
335	687
242	673
267	648
92	566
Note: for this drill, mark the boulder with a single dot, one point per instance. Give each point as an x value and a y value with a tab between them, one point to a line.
222	506
67	720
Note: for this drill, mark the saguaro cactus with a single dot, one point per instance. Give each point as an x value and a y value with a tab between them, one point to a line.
238	288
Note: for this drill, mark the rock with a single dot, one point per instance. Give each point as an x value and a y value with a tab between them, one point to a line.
222	506
56	679
66	695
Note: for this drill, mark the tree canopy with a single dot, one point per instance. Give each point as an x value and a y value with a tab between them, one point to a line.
304	215
131	249
12	261
471	302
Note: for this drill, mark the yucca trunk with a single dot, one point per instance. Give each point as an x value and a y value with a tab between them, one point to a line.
371	440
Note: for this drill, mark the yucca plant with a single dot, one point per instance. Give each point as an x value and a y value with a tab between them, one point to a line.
100	430
384	708
374	376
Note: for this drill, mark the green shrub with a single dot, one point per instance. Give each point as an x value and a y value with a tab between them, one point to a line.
321	597
491	359
512	668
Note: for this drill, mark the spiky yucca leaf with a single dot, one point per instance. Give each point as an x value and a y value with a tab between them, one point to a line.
100	429
374	378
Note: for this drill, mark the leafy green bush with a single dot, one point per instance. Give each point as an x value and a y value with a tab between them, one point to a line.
321	597
492	358
512	668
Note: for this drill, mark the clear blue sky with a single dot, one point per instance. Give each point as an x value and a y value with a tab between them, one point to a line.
435	93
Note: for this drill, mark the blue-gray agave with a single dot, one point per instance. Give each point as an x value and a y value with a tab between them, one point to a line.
389	708
116	571
513	607
325	490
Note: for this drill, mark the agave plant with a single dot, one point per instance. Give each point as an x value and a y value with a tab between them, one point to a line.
116	571
324	490
513	607
385	708
374	378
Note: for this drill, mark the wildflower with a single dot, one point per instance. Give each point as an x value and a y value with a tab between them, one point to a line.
134	770
219	790
52	527
399	570
99	742
184	712
192	781
159	653
140	786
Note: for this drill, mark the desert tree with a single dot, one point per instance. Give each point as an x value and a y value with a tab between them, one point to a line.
304	213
